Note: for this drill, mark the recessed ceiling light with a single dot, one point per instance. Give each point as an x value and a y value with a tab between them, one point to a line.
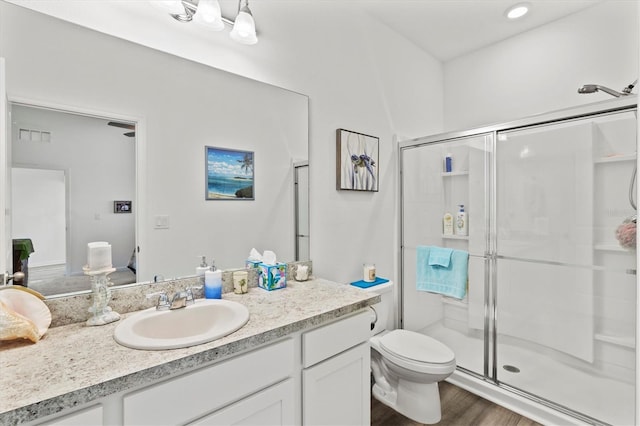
517	11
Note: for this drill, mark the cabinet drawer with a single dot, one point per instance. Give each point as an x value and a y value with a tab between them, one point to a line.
326	341
193	395
272	406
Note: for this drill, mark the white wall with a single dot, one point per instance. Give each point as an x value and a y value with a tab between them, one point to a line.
540	70
358	74
185	106
100	164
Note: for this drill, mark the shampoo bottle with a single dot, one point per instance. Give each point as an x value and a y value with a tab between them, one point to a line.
447	224
200	270
461	222
448	163
213	283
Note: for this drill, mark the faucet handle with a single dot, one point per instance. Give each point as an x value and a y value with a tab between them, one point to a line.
190	297
163	299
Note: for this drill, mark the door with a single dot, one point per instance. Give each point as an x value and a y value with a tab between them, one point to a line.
336	391
301	180
6	254
432	195
39	207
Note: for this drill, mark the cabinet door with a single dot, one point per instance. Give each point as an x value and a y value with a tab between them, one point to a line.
270	407
338	390
89	416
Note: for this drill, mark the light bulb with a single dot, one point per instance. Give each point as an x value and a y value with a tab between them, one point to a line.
517	11
244	29
208	13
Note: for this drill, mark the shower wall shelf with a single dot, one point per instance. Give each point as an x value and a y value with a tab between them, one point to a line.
464	303
627	342
615	158
449	174
455	237
611	247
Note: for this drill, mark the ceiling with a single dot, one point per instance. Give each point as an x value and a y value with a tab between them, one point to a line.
443	28
450	28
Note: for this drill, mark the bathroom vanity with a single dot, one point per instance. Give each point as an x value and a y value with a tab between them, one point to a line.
303	358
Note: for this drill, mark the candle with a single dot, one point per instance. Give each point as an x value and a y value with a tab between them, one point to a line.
302	273
99	256
369	272
240	282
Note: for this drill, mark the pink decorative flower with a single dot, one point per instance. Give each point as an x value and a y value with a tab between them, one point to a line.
626	234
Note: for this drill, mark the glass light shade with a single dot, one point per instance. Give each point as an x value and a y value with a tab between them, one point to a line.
208	13
244	29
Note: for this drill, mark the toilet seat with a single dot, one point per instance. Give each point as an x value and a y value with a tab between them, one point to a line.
416	352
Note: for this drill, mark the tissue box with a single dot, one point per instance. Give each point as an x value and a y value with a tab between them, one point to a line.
272	277
252	264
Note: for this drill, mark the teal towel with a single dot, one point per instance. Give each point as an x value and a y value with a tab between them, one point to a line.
439	256
449	281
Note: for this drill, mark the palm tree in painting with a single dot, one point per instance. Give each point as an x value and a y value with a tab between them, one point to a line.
247	163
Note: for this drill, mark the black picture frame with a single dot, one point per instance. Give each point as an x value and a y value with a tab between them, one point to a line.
122	207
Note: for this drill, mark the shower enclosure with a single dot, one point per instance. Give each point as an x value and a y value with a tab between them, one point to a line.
548	319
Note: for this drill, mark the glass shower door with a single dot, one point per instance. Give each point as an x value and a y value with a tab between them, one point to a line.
429	191
565	287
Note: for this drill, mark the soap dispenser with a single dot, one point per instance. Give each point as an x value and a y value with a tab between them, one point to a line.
213	283
200	270
461	227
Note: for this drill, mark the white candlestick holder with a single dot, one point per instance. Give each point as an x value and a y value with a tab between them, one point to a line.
101	313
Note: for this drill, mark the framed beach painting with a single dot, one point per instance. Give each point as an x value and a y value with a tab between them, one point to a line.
356	161
229	174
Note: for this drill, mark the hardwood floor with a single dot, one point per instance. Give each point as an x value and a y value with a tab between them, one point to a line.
459	408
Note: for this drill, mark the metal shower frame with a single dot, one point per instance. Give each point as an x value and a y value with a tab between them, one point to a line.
623	103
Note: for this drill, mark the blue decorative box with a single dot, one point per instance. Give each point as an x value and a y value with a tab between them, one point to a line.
272	277
252	264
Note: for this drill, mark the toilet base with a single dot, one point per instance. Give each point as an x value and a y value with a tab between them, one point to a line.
418	401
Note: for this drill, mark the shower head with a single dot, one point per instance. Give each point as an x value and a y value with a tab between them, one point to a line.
593	88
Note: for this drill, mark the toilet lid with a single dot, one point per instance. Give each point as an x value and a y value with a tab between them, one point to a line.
416	347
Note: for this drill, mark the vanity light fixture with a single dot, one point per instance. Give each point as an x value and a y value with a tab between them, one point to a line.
208	14
517	11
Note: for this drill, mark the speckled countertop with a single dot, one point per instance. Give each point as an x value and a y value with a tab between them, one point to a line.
74	364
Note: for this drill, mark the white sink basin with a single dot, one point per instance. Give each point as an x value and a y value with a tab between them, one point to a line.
202	322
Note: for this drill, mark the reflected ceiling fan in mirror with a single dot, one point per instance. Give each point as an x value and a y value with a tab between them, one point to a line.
124	126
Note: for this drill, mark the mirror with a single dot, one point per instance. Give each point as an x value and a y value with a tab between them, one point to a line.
60	200
179	107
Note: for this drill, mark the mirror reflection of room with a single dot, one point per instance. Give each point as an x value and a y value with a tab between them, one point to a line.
67	170
170	224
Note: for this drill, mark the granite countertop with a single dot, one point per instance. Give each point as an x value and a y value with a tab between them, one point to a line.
75	364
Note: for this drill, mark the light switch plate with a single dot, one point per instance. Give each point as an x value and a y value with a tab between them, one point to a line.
162	222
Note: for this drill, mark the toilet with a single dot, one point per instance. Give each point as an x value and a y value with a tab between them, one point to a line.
406	365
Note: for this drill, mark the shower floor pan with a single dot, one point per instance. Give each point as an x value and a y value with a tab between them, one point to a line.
596	396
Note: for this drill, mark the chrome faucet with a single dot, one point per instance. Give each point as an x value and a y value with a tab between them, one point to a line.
163	300
180	299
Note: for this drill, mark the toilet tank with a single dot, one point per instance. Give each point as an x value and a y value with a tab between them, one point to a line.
383	310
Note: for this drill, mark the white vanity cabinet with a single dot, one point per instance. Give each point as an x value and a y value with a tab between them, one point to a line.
314	377
336	375
199	393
